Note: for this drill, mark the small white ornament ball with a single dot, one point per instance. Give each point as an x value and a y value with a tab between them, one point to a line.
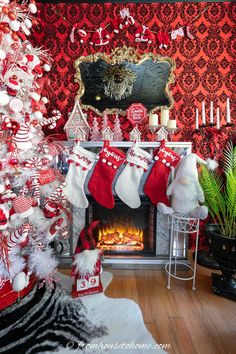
28	23
4	98
2	188
47	67
33	8
14	25
44	99
35	96
19	282
2	54
38	115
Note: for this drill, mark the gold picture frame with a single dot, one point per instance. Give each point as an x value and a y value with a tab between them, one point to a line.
117	56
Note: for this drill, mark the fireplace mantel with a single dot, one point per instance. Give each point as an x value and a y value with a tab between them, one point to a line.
142	144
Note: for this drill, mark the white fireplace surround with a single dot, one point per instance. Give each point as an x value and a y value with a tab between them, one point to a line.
162	232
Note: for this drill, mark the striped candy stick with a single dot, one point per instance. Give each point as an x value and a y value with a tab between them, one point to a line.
36	185
18	236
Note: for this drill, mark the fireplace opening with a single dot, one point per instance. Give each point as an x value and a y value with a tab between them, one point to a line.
124	230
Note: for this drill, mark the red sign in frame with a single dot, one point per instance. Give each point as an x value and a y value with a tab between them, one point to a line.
137	113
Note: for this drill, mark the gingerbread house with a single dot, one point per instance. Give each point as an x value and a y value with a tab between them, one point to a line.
135	135
107	134
162	134
77	124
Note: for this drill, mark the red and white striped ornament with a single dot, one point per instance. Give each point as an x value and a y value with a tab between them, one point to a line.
23	206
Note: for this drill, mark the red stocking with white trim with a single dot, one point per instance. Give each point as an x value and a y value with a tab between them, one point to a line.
100	183
156	183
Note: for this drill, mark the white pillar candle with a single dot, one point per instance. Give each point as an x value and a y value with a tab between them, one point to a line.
211	113
153	119
227	111
203	114
217	118
164	116
171	124
197	119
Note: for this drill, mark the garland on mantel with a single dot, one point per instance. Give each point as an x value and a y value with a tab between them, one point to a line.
142	34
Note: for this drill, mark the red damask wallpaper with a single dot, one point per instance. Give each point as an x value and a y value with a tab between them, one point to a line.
205	65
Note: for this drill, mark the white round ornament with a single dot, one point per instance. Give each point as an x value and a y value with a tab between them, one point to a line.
44	99
4	98
16	105
47	67
2	188
35	96
28	23
38	115
19	282
2	54
33	8
14	25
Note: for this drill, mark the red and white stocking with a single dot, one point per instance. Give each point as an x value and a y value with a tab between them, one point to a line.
81	162
100	184
127	184
156	183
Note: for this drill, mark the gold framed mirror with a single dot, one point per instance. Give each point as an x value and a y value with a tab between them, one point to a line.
114	81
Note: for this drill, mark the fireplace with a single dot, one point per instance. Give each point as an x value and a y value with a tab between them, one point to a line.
123	230
136	239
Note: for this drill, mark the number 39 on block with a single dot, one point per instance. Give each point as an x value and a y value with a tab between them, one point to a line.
83	284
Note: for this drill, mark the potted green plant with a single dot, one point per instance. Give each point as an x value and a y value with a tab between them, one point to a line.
219	187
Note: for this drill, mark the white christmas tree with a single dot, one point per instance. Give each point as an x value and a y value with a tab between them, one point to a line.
95	133
33	209
118	135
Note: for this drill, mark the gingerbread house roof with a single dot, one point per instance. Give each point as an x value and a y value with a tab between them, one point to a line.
77	118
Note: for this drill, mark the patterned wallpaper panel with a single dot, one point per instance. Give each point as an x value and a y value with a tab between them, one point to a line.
205	65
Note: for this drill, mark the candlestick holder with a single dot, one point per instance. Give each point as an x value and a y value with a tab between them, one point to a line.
171	131
154	128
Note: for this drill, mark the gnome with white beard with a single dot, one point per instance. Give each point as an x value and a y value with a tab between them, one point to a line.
87	264
185	191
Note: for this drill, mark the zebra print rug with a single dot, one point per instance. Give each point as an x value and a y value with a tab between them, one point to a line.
44	321
49	320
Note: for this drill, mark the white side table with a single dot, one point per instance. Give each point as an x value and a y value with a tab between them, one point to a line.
180	226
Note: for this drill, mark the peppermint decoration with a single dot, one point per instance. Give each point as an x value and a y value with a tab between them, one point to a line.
16	105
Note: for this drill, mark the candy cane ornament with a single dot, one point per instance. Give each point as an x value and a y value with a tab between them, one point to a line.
18	237
58	194
52	121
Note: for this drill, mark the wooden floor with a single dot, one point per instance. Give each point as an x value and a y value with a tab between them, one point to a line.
190	321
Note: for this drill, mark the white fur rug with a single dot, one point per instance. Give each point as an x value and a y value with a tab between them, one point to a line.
127	333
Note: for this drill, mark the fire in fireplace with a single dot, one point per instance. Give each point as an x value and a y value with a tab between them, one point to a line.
120	237
124	230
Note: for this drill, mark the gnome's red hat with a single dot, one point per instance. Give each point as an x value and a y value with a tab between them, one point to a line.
86	240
